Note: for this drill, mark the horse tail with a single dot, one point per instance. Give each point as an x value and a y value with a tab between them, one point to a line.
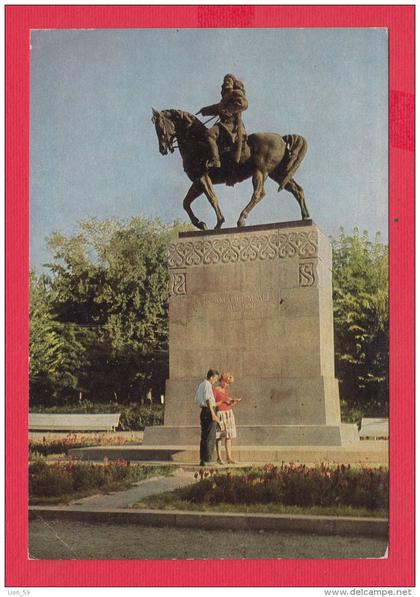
296	147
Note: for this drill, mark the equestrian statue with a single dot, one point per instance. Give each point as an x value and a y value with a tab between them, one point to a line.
225	154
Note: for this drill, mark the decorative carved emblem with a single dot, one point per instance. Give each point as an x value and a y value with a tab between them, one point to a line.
276	245
306	274
177	283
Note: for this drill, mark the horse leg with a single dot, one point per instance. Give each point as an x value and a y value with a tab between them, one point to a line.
298	147
195	190
258	181
212	197
296	190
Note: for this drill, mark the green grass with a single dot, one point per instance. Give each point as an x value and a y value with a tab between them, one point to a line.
77	495
172	500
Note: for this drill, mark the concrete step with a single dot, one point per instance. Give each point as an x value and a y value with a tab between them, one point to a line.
249	435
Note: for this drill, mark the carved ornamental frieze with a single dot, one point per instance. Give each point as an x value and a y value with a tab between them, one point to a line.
272	245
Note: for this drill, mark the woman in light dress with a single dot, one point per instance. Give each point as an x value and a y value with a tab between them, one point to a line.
224	404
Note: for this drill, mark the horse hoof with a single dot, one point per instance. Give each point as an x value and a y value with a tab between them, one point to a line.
241	223
202	226
219	224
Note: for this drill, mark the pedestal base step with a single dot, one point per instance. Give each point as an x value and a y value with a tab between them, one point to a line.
369	453
250	435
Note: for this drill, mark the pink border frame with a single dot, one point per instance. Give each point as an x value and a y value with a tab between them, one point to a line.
398	568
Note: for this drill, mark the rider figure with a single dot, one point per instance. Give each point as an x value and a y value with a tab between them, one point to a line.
229	110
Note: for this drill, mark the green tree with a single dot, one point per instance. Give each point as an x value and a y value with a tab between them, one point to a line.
56	354
110	280
360	296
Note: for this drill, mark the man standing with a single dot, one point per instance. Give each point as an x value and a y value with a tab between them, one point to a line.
208	419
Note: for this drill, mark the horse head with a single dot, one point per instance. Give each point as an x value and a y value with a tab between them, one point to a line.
165	130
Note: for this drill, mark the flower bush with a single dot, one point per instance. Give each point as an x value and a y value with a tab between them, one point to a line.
296	485
69	476
137	418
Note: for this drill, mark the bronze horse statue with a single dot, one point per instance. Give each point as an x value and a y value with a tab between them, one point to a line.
263	155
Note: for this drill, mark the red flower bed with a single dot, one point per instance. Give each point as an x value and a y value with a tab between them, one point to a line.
296	485
73	440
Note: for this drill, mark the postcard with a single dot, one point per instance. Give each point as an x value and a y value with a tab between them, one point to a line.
209	222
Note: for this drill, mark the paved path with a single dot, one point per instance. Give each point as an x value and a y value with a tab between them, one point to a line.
68	540
126	499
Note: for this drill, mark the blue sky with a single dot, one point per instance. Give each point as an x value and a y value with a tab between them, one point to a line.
94	150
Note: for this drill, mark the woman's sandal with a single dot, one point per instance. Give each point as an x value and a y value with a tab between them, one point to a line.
219	461
232	461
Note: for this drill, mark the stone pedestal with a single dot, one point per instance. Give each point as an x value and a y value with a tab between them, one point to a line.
256	302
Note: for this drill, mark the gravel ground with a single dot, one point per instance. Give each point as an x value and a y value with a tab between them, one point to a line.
67	540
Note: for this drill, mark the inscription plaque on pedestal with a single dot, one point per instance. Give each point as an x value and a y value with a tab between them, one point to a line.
255	301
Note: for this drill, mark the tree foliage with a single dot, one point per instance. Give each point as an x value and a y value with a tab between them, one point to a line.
360	296
107	294
56	354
